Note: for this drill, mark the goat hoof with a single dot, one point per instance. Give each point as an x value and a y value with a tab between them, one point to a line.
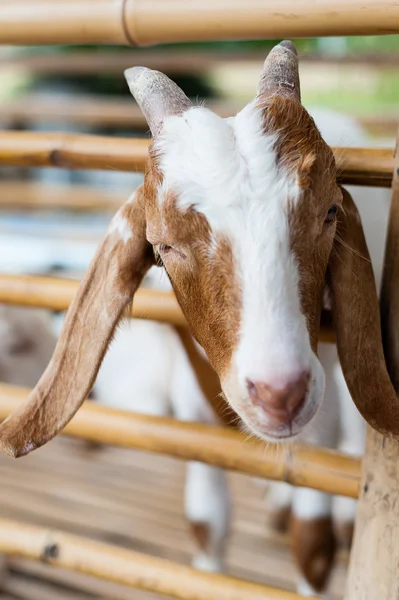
208	564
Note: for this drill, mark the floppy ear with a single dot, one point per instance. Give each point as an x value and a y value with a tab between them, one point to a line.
357	320
107	288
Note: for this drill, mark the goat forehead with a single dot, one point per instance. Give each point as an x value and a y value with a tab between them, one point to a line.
226	169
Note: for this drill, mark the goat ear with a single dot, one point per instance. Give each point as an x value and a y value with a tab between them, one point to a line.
280	74
107	288
158	96
357	321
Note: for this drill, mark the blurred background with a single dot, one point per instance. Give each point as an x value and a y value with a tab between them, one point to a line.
126	497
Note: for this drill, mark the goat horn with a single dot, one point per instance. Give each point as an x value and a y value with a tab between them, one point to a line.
280	74
157	95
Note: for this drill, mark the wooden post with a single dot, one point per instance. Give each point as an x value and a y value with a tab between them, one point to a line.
374	562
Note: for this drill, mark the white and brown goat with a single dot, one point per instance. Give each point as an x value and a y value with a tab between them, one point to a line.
247	218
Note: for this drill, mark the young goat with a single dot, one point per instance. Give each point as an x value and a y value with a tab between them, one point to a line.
246	216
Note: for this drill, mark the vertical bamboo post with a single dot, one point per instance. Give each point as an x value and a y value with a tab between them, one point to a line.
374	562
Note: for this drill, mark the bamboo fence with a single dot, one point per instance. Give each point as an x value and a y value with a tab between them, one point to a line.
121	112
172	62
306	466
57	294
145	22
23	195
93	111
356	166
130	568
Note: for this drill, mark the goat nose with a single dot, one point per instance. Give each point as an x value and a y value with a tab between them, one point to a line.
283	402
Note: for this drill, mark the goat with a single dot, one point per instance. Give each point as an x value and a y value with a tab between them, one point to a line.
246	216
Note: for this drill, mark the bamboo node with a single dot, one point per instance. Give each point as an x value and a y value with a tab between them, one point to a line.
50	551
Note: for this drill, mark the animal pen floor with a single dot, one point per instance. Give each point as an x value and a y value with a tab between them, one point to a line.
135	500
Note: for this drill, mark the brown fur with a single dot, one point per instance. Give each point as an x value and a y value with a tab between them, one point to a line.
208	285
201	534
207	379
279	519
357	322
107	288
313	543
302	151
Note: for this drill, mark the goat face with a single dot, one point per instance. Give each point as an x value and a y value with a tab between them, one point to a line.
247	218
241	213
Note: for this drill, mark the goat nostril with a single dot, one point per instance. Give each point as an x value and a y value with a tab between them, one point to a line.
284	402
251	387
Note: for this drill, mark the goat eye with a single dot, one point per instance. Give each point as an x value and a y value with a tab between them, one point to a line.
332	213
164	248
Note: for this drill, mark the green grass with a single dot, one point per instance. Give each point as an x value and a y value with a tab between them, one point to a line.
382	98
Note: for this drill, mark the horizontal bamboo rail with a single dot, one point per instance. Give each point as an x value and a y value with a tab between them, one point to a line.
306	466
87	110
72	151
55	293
23	195
359	166
381	125
98	111
171	62
144	22
128	567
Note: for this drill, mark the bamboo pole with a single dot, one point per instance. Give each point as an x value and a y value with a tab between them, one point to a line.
26	22
72	151
104	111
358	166
55	293
306	466
172	62
373	571
127	567
23	195
98	111
144	22
87	110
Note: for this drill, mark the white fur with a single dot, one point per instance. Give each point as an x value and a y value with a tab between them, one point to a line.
306	590
120	224
207	502
311	504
